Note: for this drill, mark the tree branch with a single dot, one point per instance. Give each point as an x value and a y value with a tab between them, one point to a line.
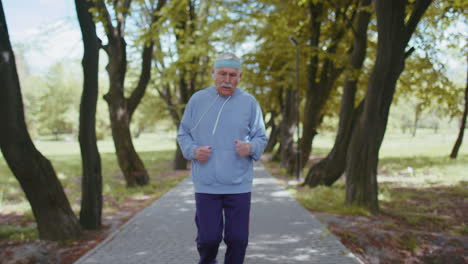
420	6
108	27
167	97
409	52
145	75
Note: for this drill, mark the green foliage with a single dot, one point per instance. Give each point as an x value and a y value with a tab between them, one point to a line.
51	102
59	102
428	81
428	89
269	69
150	113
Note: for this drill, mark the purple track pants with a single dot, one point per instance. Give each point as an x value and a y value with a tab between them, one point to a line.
211	223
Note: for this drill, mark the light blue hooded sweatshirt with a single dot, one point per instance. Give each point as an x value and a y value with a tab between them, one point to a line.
217	121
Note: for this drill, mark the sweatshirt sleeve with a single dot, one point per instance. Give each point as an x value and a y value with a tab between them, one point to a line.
184	136
258	138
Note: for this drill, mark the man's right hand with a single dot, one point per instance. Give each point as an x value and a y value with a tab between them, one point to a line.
203	153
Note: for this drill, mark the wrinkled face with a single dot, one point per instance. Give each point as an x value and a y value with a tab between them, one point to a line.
226	80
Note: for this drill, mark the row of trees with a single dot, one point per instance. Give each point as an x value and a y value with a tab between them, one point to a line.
352	54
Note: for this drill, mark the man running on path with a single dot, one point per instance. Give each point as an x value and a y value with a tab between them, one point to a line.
222	132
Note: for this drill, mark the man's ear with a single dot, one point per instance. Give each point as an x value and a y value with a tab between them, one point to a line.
213	75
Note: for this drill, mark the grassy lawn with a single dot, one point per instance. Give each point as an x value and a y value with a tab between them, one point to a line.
422	196
157	152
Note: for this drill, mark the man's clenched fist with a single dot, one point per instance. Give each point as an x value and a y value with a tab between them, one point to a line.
203	153
243	148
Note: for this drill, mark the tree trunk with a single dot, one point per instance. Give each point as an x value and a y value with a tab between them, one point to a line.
130	163
287	129
362	158
459	140
274	133
308	131
330	169
417	114
318	92
180	163
91	185
54	216
121	109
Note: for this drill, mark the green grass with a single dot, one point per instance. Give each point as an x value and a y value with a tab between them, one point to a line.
66	160
328	199
412	172
13	232
156	151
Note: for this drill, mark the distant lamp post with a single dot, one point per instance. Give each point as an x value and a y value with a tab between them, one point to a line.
298	150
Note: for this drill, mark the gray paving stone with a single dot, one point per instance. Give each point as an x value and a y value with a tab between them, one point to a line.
281	231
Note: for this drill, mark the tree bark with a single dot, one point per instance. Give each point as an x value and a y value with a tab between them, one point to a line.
362	158
121	109
319	91
185	37
459	140
417	115
330	169
274	133
91	185
287	129
54	216
308	131
180	163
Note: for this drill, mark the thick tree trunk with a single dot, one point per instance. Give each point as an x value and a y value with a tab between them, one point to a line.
362	158
308	131
121	109
330	169
54	216
459	140
318	92
130	163
91	185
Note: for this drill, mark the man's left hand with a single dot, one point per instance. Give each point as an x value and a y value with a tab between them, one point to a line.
243	148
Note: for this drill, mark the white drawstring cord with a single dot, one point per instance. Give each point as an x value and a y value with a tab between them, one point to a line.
219	114
214	101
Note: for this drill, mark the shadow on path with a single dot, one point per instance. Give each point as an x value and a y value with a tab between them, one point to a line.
282	231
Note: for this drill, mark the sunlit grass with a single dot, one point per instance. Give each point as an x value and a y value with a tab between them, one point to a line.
328	199
156	151
68	169
162	140
14	232
408	168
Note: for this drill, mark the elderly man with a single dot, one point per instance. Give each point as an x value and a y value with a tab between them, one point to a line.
222	132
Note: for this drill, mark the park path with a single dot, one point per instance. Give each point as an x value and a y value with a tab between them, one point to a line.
282	231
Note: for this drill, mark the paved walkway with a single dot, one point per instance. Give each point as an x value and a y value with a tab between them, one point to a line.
282	232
